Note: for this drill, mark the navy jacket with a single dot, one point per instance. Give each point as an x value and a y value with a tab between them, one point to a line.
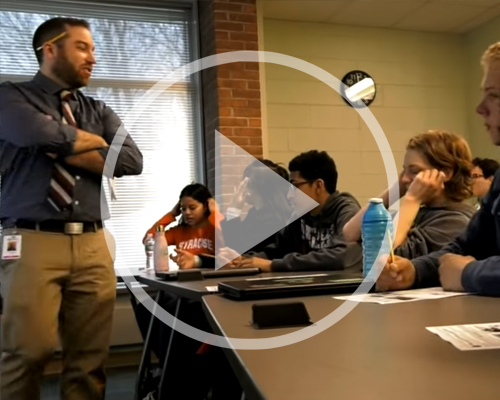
480	240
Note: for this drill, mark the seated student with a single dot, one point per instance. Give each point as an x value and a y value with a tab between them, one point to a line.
196	232
482	176
194	236
433	187
267	195
314	241
472	261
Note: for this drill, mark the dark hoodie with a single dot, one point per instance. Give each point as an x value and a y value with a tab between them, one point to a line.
316	243
434	228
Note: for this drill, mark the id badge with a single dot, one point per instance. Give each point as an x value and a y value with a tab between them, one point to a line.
11	249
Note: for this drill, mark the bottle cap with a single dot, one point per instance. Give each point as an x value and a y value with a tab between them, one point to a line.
376	200
160	228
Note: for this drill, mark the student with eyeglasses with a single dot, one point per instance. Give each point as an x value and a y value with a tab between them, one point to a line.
313	241
482	177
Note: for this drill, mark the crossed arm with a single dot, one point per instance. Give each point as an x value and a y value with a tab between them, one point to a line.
25	126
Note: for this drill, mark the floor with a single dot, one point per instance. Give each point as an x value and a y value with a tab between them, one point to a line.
120	386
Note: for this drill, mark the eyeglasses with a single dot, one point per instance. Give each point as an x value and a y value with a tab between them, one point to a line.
476	176
53	40
296	185
299	184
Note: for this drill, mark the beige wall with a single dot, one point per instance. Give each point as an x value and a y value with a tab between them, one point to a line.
421	84
476	42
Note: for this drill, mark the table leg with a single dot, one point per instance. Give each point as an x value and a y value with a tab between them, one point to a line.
145	364
173	335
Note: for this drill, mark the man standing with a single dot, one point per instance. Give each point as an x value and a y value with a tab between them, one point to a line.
472	262
482	176
56	270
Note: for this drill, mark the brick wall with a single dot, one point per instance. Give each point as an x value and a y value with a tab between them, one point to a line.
231	92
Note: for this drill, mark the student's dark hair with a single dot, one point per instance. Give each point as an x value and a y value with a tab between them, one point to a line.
281	171
487	165
272	191
198	192
314	165
257	163
50	29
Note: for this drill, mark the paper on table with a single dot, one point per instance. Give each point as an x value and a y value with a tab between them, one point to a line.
470	337
212	289
402	296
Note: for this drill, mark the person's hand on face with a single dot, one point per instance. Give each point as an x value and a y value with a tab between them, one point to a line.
176	210
239	198
451	267
396	275
426	186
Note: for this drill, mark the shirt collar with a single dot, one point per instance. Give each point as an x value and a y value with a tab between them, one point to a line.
48	85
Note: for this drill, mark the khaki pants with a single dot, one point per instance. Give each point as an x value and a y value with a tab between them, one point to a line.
62	286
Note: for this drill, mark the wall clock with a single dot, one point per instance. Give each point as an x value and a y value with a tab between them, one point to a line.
359	87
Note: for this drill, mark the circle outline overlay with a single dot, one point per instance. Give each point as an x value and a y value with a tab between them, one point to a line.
323	76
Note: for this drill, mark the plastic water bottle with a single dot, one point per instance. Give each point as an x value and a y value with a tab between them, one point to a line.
376	222
161	250
149	247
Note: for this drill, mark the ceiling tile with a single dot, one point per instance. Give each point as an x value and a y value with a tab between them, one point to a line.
454	16
476	3
305	10
381	13
440	16
481	19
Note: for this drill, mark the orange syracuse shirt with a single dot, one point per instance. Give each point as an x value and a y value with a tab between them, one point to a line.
194	240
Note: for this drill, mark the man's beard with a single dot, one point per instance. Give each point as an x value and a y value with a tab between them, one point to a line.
66	72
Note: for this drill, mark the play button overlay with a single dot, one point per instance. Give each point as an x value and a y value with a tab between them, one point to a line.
272	202
143	106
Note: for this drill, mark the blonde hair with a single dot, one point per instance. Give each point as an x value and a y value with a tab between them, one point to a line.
492	53
447	151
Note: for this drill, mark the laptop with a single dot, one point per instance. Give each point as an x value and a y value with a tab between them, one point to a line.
290	286
204	273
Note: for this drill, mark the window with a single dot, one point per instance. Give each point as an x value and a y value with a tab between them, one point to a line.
135	48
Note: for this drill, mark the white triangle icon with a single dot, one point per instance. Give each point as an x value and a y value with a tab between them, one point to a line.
276	200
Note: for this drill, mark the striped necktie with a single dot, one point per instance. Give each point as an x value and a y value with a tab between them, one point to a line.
62	183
